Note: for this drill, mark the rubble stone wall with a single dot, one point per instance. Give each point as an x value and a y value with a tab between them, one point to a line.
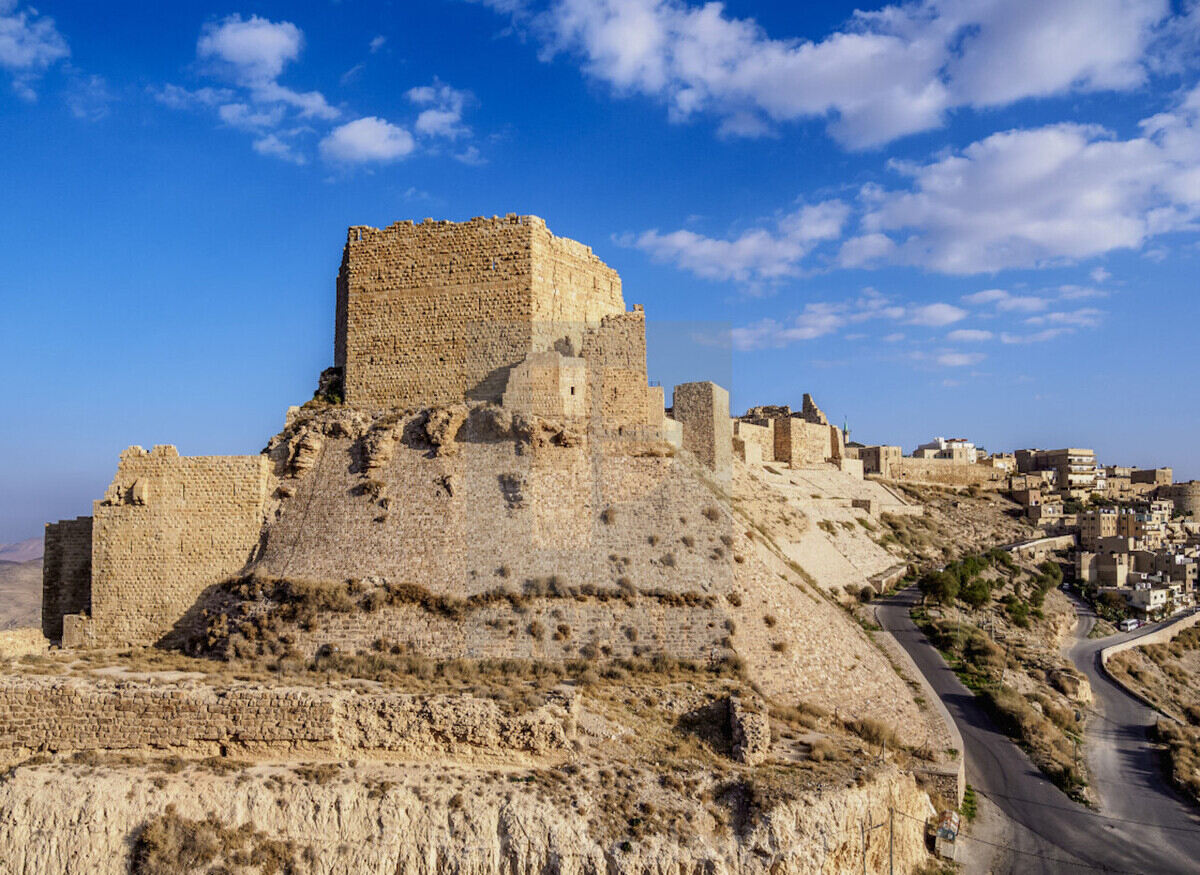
763	435
56	714
800	442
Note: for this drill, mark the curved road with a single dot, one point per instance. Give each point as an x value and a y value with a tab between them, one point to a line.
1127	771
1053	834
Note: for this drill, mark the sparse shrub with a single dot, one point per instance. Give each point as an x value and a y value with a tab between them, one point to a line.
688	541
734	599
712	514
536	630
608	516
779	646
668	560
770	620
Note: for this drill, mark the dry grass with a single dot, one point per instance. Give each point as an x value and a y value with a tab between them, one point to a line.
171	844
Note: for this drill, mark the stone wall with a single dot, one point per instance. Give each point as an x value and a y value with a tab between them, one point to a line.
1186	497
66	573
437	313
944	472
167	528
550	385
40	714
760	433
800	442
703	409
622	404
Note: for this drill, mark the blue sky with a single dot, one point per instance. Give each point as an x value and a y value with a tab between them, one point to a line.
972	218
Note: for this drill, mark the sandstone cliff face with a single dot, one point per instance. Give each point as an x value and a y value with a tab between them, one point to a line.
415	821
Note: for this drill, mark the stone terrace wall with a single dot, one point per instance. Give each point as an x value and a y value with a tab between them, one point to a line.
66	573
54	714
437	313
168	528
943	472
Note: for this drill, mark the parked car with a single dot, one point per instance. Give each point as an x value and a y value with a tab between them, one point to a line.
1129	625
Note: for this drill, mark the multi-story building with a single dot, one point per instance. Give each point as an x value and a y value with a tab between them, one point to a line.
1095	524
1075	468
1142	526
953	449
1152	476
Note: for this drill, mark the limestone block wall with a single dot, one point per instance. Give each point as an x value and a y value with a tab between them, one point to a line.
761	433
703	409
57	715
550	385
66	573
438	312
1186	497
944	472
167	528
622	403
800	442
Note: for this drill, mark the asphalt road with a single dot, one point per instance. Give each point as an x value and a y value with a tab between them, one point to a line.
1127	770
1052	833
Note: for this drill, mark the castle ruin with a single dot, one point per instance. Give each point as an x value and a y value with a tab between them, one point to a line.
492	311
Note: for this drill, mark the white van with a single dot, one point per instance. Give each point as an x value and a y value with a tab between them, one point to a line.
1128	625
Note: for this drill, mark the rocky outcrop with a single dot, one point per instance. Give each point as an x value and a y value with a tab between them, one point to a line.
428	820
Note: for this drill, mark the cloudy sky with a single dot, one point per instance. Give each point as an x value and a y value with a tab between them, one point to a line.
952	217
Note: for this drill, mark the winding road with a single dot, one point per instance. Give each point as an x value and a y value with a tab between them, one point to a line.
1149	831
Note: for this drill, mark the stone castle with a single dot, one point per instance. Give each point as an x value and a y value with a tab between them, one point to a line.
428	315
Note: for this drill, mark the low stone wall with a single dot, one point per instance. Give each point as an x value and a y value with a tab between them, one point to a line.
15	643
1159	636
39	714
943	472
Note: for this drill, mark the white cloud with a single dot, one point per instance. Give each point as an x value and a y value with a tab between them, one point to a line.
274	146
1085	317
885	74
177	97
366	140
443	117
89	97
1035	337
1099	274
470	156
968	335
377	43
247	118
815	320
936	315
758	254
1077	293
250	51
894	337
29	45
1029	198
1021	303
987	296
959	359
